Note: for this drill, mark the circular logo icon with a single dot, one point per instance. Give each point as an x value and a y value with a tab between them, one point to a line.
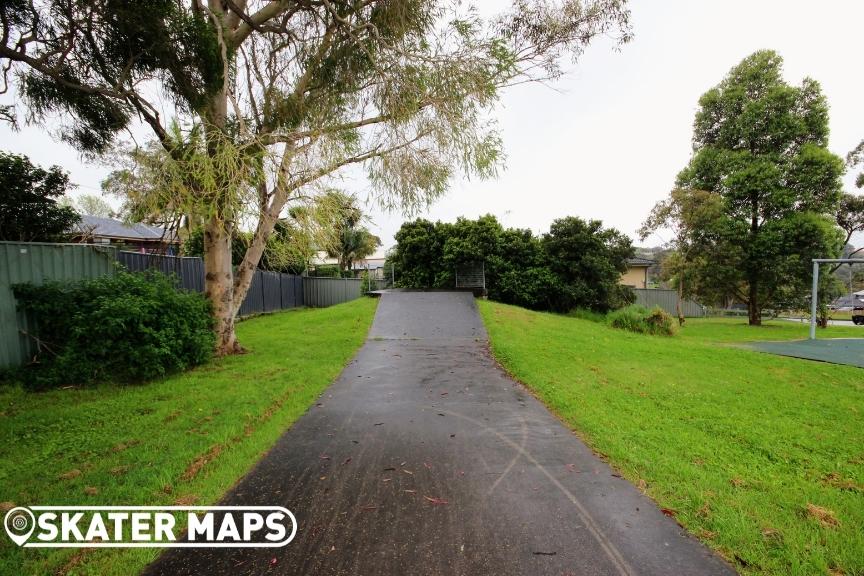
19	523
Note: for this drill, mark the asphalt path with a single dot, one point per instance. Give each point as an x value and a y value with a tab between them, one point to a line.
425	458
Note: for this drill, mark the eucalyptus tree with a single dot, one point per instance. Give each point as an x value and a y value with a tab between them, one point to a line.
256	103
703	256
855	159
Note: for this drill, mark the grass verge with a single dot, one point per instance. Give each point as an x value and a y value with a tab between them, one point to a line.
760	456
182	440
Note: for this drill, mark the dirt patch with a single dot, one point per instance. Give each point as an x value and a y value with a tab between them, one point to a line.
200	461
72	562
186	500
70	474
125	445
823	515
834	480
172	416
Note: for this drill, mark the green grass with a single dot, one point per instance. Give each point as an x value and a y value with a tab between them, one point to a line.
736	442
182	440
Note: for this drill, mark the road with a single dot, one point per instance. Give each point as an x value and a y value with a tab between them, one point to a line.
425	458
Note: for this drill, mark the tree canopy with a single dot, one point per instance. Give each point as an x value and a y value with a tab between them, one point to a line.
29	201
266	100
760	145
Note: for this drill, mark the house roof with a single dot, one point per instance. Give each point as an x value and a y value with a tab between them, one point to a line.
638	262
111	228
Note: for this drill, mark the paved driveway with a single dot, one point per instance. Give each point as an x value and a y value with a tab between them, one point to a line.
425	458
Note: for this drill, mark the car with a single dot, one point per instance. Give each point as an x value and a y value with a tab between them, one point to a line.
858	315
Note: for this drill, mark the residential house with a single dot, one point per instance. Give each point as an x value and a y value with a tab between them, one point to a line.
636	275
136	237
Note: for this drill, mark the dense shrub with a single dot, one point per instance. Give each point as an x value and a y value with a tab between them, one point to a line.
124	328
642	320
578	264
330	271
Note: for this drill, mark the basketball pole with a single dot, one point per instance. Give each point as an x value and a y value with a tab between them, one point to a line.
814	296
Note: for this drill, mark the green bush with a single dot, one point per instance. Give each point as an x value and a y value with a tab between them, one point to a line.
128	327
330	271
639	319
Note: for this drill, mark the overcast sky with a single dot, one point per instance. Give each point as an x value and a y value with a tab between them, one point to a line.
608	141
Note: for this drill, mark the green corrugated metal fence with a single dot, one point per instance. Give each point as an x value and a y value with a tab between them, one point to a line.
667	299
37	263
321	292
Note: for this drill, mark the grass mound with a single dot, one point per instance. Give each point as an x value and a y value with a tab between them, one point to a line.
759	456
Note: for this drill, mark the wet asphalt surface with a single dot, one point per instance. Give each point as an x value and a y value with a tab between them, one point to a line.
425	458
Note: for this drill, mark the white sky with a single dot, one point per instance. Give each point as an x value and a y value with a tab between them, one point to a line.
609	140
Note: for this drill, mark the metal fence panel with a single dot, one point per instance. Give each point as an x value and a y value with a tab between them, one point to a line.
667	299
268	291
271	291
38	263
189	270
291	290
254	301
319	292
